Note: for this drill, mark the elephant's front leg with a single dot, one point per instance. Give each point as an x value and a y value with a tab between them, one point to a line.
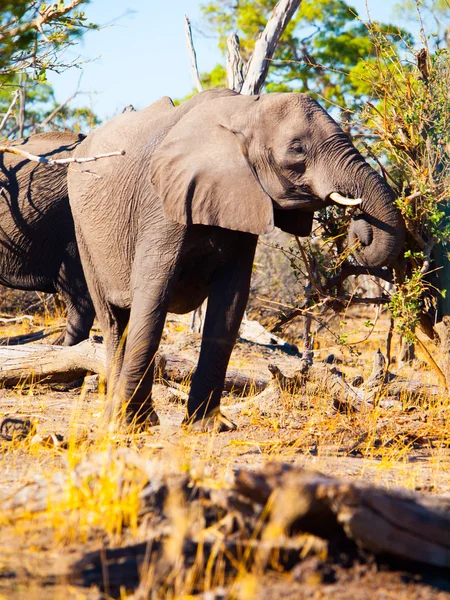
226	305
131	400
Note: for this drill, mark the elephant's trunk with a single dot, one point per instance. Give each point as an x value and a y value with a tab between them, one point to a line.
378	233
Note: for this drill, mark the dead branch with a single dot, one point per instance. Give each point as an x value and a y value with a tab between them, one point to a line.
22	102
50	364
49	118
9	111
258	65
235	64
349	516
349	270
192	54
395	523
18	319
44	363
58	161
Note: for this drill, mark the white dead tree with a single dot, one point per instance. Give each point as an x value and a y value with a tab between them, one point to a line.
245	79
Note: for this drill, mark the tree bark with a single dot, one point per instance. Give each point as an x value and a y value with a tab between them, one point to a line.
235	64
50	364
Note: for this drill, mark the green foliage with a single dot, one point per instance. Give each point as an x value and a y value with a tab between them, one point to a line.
409	126
33	36
406	304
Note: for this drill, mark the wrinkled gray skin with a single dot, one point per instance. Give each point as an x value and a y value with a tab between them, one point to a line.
176	220
38	249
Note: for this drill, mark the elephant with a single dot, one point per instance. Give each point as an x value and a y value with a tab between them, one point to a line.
176	220
38	249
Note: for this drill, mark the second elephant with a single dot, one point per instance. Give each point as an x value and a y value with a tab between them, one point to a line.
38	249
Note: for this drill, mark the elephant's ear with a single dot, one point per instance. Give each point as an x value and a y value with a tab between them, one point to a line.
202	173
296	222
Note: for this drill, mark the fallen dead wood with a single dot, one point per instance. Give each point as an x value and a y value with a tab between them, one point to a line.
235	528
50	364
44	363
382	388
396	523
180	370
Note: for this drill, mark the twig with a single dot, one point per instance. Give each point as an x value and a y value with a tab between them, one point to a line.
389	342
39	302
22	101
57	161
192	54
10	109
16	319
258	65
413	196
358	300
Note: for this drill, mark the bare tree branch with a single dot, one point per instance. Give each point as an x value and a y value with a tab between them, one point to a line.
57	161
258	65
53	114
9	111
235	64
22	101
192	55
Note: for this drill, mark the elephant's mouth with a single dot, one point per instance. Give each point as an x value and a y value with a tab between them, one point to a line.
300	198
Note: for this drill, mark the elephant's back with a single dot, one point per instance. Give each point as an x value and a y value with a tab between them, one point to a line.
36	194
36	222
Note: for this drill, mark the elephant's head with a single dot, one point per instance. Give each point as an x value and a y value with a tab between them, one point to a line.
250	163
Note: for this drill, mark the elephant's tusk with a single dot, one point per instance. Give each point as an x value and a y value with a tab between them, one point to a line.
336	197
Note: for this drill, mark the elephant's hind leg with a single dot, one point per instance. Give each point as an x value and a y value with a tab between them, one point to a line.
72	287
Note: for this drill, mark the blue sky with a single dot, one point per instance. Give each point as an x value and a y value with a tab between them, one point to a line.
140	53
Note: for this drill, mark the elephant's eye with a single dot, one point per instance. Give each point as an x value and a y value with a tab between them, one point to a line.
297	147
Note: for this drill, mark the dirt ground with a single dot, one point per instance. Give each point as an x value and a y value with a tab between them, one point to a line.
406	447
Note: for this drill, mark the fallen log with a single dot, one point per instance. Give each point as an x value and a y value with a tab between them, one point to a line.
388	522
180	370
349	516
45	363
